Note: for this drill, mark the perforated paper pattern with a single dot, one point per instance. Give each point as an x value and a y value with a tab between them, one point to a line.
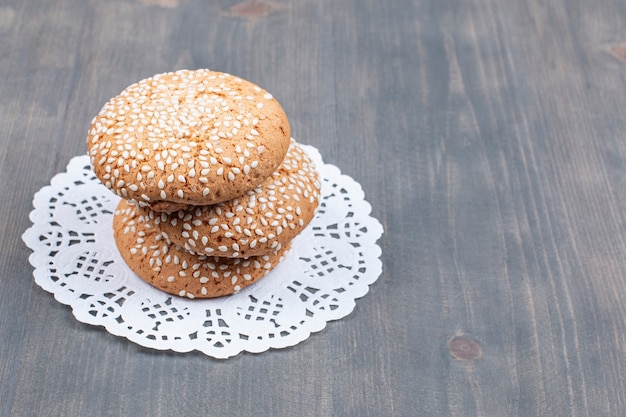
331	264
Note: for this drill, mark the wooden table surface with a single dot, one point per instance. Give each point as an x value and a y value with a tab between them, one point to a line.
489	137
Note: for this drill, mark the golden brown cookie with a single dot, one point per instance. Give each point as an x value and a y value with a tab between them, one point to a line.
261	221
187	138
171	269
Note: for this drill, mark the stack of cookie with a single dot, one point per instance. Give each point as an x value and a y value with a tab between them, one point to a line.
213	187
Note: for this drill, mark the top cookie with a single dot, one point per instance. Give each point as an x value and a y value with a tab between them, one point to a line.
187	138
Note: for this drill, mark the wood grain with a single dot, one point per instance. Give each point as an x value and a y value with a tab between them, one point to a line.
488	137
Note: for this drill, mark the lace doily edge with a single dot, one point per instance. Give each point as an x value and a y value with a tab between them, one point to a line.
315	325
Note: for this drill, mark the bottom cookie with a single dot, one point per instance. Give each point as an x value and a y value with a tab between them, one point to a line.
170	268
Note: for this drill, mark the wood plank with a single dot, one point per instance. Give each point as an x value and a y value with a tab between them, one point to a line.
488	137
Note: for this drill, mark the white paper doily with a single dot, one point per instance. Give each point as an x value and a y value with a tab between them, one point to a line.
331	264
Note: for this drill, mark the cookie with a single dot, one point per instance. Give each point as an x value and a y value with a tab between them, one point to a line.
260	221
187	138
171	269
